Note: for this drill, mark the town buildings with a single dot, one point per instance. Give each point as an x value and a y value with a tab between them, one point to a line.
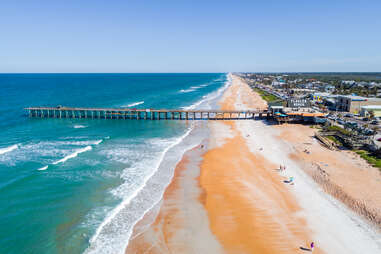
353	104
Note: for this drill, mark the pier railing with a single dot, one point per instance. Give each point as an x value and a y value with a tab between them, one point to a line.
144	114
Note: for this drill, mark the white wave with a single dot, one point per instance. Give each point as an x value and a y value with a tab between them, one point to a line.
187	90
43	168
98	142
211	96
193	88
78	126
112	214
84	143
8	149
79	143
133	104
73	155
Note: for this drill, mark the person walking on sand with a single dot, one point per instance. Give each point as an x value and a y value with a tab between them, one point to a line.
312	245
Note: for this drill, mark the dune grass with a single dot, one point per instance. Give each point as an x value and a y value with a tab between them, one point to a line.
371	159
339	129
335	140
265	95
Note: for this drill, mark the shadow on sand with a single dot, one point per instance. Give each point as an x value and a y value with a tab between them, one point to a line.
305	249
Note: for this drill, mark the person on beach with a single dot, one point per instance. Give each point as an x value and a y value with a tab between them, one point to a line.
312	245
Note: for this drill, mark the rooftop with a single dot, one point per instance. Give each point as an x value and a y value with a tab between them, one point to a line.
355	97
371	107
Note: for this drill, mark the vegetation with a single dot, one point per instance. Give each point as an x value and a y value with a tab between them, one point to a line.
371	159
265	95
339	129
361	91
336	77
335	140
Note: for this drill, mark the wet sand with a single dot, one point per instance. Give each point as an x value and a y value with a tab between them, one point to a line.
231	197
181	226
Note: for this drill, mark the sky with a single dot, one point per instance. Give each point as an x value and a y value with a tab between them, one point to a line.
190	36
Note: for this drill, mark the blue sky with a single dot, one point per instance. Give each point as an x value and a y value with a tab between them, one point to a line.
189	36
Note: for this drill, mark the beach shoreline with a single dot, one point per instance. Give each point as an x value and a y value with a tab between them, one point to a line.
228	196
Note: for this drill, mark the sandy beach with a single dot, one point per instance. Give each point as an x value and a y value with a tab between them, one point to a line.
229	196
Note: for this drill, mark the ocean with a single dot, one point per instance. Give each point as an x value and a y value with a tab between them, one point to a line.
80	185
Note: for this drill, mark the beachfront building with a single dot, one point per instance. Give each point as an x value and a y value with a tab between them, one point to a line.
353	104
365	110
298	103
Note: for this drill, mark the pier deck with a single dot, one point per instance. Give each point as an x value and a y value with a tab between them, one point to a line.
144	114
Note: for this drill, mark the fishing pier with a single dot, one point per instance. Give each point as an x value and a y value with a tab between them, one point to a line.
144	114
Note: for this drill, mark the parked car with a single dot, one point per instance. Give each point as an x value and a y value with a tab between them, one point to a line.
365	119
374	122
348	115
352	125
379	139
368	131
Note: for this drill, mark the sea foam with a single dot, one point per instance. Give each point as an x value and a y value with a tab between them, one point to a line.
101	241
8	149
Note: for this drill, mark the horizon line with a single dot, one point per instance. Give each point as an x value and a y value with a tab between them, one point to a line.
262	72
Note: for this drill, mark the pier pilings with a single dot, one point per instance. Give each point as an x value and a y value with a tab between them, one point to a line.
144	114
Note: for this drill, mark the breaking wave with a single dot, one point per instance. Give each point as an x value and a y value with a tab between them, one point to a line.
78	126
204	102
133	104
73	155
8	149
43	168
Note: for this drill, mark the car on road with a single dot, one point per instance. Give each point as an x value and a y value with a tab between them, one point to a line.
365	119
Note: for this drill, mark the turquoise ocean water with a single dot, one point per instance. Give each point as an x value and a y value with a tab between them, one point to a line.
79	186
